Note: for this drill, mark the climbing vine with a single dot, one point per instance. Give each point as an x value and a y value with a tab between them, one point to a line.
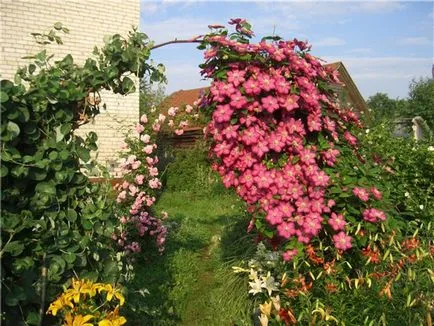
54	222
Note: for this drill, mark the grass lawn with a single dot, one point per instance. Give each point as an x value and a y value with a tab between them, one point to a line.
192	283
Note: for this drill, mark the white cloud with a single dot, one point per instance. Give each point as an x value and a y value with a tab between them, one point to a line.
329	41
360	51
390	75
150	8
330	8
176	27
417	40
380	6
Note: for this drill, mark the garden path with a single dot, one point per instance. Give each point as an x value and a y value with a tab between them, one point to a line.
192	283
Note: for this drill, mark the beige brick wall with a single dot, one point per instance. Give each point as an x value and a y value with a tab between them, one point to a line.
88	21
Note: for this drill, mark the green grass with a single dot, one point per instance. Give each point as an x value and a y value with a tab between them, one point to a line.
192	283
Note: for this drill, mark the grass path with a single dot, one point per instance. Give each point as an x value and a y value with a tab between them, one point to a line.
193	283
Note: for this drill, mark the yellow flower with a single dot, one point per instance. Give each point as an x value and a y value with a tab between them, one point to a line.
59	304
78	320
266	308
113	292
115	322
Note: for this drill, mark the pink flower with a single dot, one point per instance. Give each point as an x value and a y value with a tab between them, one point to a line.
289	255
172	111
289	102
342	241
222	113
154	183
266	82
144	119
135	165
188	108
274	217
183	124
270	103
361	193
238	101
179	132
139	128
139	179
121	197
337	222
286	230
145	138
350	138
161	118
376	193
373	215
153	171
251	87
156	126
236	77
148	149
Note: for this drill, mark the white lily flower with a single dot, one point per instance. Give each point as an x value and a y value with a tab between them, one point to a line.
256	287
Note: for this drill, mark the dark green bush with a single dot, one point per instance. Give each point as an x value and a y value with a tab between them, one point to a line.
55	223
189	170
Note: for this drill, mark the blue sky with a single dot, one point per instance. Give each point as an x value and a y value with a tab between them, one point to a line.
383	44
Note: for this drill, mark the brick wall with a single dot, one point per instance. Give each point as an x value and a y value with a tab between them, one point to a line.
88	21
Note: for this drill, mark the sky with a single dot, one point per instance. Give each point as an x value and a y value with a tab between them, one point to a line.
383	44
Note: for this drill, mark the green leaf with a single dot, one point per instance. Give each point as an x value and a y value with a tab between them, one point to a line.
87	225
46	188
83	153
37	174
65	128
32	68
128	85
14	296
53	155
13	128
3	171
14	248
3	97
111	271
69	257
71	215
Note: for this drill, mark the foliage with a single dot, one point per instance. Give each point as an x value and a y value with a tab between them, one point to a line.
421	100
420	103
384	108
150	97
141	186
408	166
283	141
190	171
399	295
53	220
193	283
86	303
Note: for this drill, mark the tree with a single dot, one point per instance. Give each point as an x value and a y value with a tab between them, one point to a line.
384	108
421	100
150	97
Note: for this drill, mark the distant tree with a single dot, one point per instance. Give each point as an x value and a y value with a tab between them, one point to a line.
150	96
421	100
384	108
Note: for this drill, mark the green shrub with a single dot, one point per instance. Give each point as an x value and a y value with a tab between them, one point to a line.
408	167
189	170
55	224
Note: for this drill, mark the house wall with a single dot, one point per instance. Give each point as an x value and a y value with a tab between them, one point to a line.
88	21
